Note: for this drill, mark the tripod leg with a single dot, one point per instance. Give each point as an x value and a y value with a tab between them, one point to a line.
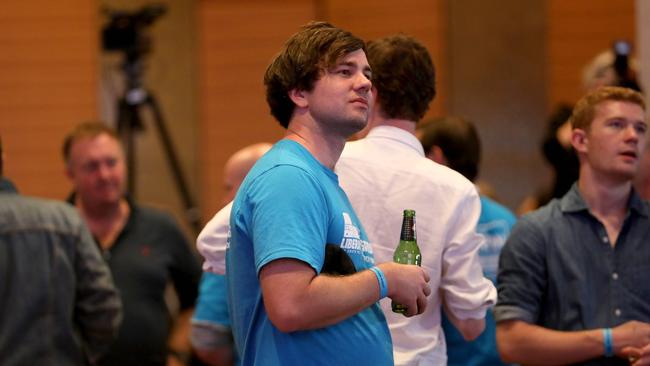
128	117
191	210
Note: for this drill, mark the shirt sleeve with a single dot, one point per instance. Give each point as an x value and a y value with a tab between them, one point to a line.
290	217
185	269
522	274
212	242
211	320
466	292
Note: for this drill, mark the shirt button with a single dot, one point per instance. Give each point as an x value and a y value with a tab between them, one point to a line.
605	239
615	276
617	312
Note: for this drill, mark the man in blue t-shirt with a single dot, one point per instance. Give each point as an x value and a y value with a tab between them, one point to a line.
454	142
290	221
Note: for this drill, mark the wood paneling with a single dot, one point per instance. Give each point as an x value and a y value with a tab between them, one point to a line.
48	82
498	82
237	40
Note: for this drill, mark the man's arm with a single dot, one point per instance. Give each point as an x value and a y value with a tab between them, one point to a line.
297	299
213	344
466	293
521	342
179	339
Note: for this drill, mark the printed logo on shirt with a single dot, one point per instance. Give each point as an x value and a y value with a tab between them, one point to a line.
352	242
495	233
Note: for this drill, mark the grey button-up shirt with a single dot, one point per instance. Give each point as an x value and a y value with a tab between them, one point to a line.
58	304
558	269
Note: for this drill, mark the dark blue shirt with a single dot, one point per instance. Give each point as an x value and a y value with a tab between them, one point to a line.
558	269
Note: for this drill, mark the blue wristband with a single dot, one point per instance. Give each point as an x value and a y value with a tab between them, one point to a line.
607	341
383	285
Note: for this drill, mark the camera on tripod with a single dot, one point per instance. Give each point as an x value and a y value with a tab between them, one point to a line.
125	30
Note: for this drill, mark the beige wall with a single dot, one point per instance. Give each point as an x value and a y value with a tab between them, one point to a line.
498	74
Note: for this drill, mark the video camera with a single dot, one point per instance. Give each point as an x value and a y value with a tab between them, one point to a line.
626	75
124	30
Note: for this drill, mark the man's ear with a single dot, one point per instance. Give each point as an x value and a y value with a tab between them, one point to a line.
68	171
579	140
436	154
298	97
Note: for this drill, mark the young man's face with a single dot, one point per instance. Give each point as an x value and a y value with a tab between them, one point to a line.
97	170
616	138
340	99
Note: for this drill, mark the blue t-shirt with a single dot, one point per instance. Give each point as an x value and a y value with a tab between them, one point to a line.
291	206
495	224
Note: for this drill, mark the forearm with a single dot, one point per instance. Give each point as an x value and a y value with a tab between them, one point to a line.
179	337
297	299
520	342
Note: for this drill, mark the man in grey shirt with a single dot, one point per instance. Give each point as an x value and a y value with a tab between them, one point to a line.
572	275
58	304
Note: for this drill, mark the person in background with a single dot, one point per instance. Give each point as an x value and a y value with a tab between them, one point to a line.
387	172
144	248
290	209
58	303
454	142
211	334
612	67
572	275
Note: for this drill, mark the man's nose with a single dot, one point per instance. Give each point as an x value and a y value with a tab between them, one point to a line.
363	82
104	171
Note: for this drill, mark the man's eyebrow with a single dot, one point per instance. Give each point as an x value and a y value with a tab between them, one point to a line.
353	64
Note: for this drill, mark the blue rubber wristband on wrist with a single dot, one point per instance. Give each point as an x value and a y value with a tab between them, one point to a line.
607	342
383	285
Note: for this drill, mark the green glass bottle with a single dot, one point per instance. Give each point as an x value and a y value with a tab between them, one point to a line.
407	251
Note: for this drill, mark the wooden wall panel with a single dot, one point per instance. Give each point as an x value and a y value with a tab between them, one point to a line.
237	40
48	82
577	31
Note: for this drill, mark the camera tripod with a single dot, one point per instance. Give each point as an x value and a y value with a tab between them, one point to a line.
130	107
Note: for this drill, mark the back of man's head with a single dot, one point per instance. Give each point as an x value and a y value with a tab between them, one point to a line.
585	110
303	59
238	166
403	75
458	140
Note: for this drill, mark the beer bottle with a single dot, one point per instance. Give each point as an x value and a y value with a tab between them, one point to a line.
407	251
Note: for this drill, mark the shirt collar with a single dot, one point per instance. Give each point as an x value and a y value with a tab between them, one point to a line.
396	134
573	202
6	186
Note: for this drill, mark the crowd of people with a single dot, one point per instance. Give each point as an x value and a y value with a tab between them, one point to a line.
297	265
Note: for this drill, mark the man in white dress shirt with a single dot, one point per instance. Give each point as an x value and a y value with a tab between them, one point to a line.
387	172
